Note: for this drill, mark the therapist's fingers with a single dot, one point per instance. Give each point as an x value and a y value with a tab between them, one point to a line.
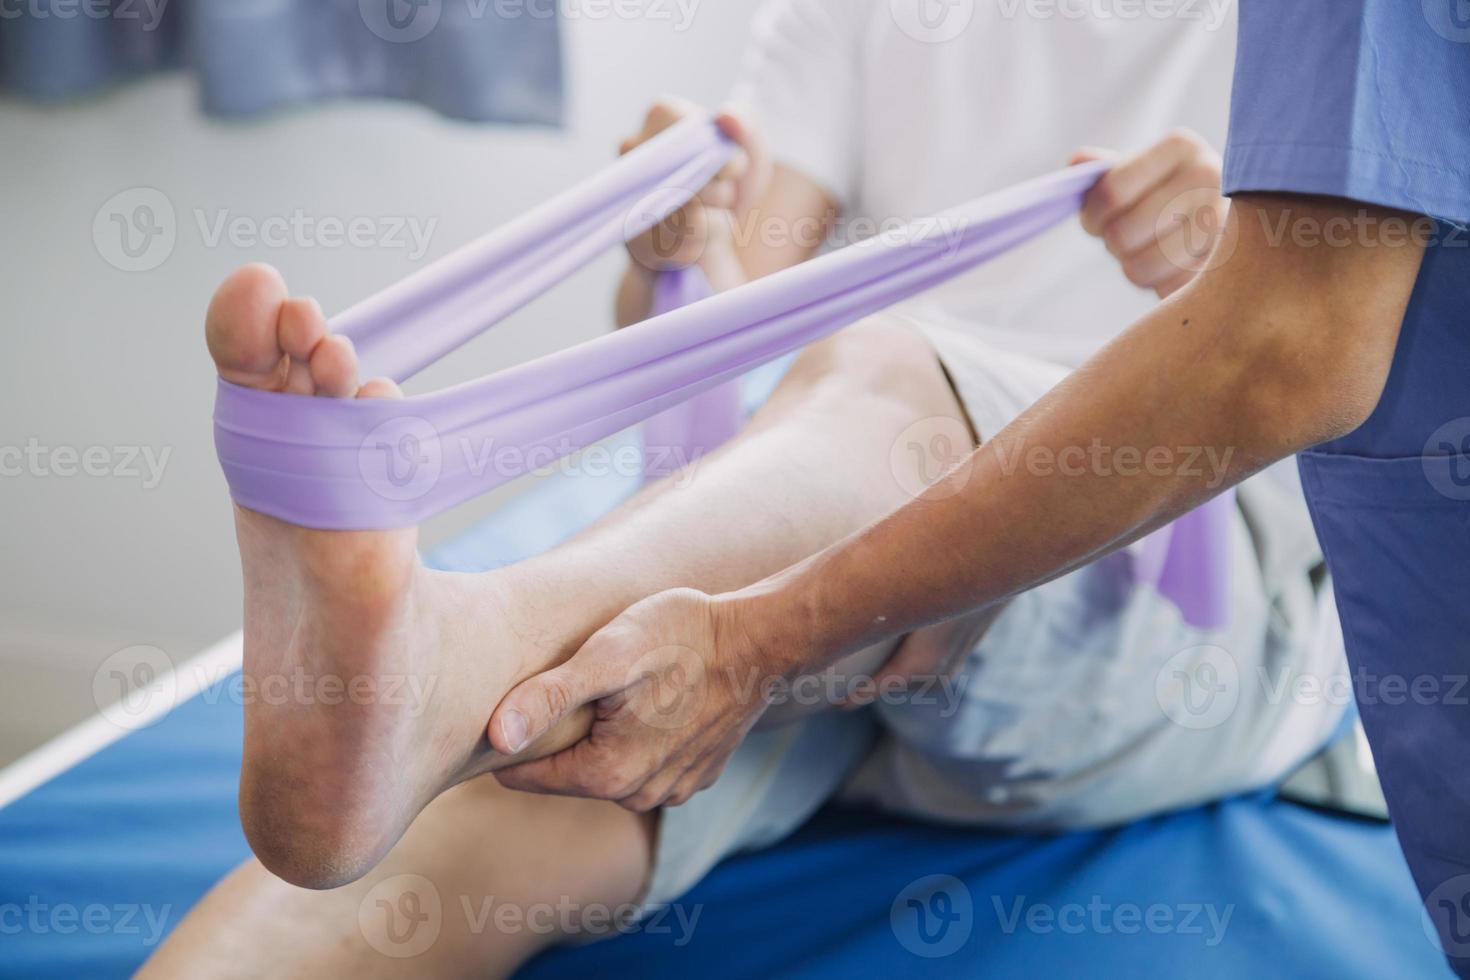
701	776
583	770
1123	187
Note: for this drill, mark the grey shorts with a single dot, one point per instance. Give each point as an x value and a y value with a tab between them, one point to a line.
1089	701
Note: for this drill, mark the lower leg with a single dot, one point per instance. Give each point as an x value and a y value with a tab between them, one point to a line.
481	882
815	464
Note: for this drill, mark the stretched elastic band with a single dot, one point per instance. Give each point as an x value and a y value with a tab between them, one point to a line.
376	464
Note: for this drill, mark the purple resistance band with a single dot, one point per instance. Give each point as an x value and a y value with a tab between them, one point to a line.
374	464
691	429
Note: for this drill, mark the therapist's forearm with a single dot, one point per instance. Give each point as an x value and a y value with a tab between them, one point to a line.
1278	349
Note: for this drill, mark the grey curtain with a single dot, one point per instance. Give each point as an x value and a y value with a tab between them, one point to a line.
481	60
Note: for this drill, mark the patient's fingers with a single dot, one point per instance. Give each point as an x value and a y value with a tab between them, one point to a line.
1138	227
1149	268
757	168
1123	187
666	112
720	194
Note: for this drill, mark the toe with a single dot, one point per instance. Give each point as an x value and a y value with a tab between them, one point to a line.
380	388
301	328
240	327
334	367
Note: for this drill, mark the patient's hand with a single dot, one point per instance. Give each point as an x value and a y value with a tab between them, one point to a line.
705	230
1160	212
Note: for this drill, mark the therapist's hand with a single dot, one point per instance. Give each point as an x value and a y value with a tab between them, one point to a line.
675	687
1159	212
704	230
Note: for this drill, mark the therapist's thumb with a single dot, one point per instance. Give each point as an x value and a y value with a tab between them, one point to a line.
533	707
537	704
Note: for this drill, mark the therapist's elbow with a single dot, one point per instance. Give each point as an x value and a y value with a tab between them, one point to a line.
1292	399
1313	329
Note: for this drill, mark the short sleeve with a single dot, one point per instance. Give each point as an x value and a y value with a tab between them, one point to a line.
800	80
1362	99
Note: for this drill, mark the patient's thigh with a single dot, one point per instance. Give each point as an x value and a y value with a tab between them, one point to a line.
1091	701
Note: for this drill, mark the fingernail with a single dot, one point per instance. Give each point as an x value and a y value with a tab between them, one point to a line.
514	726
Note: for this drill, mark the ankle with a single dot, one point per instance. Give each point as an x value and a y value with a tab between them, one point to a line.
552	607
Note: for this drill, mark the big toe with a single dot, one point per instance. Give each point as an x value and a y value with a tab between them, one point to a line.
241	328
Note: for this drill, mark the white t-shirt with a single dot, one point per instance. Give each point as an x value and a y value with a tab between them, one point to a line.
902	108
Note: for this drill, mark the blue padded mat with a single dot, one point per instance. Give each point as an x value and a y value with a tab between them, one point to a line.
97	863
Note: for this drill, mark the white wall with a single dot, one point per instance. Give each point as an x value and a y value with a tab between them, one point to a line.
91	356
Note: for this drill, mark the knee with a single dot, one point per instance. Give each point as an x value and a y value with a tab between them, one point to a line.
880	356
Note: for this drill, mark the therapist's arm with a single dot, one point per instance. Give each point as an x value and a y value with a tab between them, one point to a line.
1282	345
1278	346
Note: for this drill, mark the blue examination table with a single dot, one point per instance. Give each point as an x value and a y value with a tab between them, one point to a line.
99	861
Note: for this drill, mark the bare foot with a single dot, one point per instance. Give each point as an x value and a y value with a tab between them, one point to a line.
368	677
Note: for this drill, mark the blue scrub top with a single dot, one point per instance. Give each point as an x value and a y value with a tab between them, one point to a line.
1370	100
1364	99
